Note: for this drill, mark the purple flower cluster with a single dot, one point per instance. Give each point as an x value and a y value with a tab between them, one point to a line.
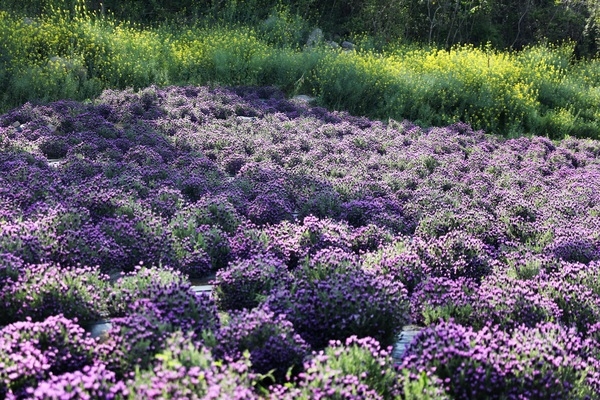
456	254
499	300
547	361
142	282
34	351
399	262
337	303
91	382
245	283
151	304
39	291
353	369
334	224
187	370
270	339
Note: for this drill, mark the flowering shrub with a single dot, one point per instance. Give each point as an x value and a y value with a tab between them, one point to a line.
186	370
397	262
456	254
579	306
10	269
43	290
141	240
173	300
341	304
142	282
338	225
576	245
198	248
326	262
357	368
445	299
245	283
293	243
545	361
248	241
512	304
369	238
35	351
135	338
21	240
270	339
379	211
92	381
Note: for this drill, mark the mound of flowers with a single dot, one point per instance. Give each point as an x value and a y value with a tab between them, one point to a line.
325	234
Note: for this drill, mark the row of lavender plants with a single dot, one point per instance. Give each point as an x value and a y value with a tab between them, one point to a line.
327	234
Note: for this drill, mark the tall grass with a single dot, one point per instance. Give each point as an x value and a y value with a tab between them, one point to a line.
539	90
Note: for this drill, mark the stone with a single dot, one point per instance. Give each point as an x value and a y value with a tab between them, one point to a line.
333	44
315	37
347	45
406	337
99	329
303	98
55	162
202	288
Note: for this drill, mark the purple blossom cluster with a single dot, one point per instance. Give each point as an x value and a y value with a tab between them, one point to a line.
151	305
91	382
187	370
547	361
246	283
35	351
274	346
318	225
39	291
336	303
353	369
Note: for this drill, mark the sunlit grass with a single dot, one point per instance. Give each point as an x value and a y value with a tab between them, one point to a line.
536	91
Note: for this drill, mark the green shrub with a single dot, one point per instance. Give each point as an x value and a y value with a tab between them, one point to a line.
540	90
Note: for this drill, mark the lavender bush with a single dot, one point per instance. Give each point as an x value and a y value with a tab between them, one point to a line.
245	283
92	382
398	262
357	368
346	226
340	304
43	290
134	339
187	370
142	282
444	299
34	351
274	347
547	361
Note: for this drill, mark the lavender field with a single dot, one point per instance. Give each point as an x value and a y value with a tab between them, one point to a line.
327	233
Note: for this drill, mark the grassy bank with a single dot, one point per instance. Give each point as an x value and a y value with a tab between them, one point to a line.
536	91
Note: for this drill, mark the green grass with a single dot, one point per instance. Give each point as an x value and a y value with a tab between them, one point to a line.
539	90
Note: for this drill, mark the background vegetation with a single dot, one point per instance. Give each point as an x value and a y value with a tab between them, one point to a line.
504	23
431	62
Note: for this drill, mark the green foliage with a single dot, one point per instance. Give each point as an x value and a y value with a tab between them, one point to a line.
539	90
358	366
505	23
422	387
375	369
461	314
